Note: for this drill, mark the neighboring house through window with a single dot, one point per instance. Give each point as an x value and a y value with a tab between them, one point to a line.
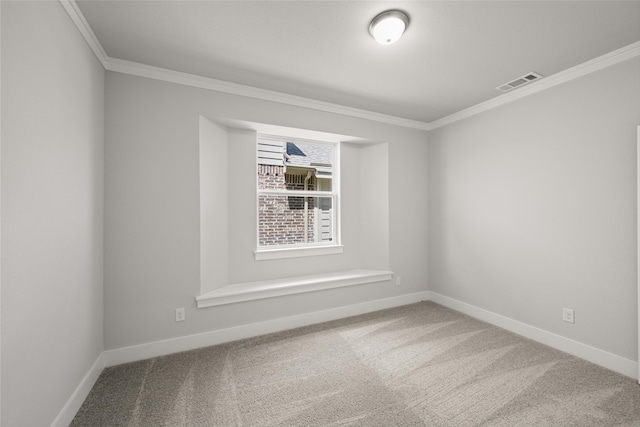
297	193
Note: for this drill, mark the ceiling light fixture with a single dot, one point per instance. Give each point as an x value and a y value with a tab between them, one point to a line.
388	27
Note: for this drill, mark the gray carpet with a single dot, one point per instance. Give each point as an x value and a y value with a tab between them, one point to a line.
416	365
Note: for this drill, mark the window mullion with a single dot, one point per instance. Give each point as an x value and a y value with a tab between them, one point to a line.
296	193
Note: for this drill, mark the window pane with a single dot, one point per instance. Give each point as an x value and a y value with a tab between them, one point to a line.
290	220
299	166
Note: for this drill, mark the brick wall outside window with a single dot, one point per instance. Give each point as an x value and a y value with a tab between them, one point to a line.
281	218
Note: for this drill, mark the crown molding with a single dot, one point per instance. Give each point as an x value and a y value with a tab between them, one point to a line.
607	60
72	9
163	74
177	77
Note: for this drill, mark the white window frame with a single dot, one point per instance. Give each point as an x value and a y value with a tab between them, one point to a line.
310	248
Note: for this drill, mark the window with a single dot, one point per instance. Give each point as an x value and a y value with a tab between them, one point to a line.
297	182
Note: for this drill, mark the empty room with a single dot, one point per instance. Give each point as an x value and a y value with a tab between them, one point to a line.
310	213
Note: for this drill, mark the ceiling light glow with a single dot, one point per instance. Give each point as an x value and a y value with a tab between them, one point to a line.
388	27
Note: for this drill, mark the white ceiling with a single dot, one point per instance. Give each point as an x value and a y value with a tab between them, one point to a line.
452	56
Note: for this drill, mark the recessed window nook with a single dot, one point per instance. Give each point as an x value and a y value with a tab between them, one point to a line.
234	269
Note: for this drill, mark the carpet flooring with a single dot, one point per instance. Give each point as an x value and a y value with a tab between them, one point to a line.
416	365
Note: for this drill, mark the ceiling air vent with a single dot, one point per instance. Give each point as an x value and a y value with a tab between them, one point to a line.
520	81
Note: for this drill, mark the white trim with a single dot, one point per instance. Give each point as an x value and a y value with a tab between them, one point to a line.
607	60
162	74
171	76
594	355
296	193
81	392
83	26
281	253
243	292
267	252
186	79
191	342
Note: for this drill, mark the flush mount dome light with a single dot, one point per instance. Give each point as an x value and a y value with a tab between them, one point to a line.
388	27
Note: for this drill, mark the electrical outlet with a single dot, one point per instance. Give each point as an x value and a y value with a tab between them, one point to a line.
568	315
398	280
180	315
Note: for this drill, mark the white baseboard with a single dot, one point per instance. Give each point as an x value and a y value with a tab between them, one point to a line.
81	392
594	355
191	342
160	348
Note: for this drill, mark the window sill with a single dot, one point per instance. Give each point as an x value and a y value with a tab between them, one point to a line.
280	253
242	292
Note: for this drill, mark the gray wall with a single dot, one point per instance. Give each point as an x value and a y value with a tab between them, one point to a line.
533	208
152	211
52	211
